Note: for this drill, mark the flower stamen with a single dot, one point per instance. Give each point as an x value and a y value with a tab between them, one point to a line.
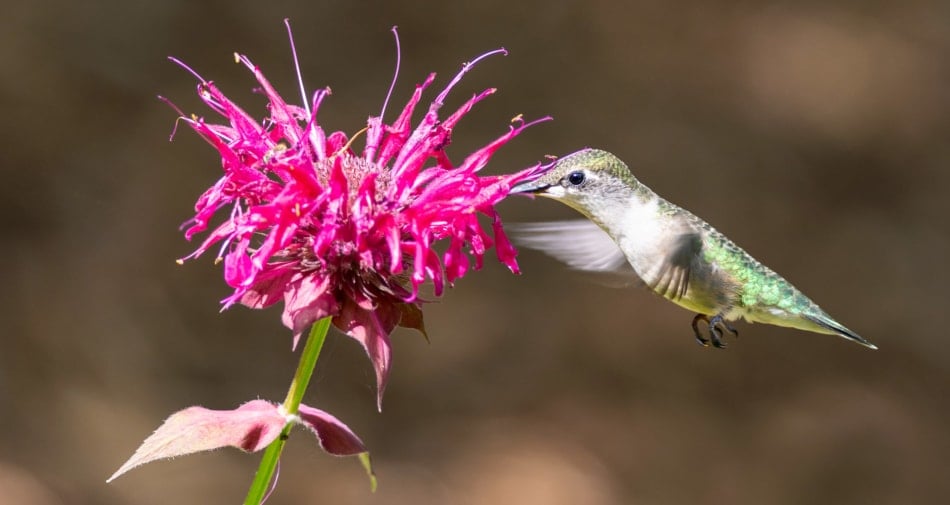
349	143
392	84
293	51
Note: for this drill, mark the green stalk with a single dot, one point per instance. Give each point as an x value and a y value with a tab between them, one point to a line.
308	360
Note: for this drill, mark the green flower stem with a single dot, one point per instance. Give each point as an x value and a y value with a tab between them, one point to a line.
308	360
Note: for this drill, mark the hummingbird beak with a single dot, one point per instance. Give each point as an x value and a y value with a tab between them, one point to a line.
530	187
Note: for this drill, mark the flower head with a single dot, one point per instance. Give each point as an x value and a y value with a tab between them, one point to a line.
334	231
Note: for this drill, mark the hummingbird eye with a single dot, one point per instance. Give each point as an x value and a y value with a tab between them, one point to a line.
576	178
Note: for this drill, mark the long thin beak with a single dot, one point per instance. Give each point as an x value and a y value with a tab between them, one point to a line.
529	187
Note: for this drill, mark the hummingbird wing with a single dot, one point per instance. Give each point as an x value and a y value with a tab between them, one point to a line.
583	245
580	243
669	277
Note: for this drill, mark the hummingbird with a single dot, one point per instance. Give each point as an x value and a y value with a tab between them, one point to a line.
674	253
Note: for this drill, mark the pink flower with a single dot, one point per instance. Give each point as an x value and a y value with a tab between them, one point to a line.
333	231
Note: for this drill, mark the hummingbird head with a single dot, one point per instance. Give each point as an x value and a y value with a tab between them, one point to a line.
590	180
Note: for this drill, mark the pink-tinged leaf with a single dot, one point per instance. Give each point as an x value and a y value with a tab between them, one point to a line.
334	436
307	299
269	288
250	427
412	318
371	329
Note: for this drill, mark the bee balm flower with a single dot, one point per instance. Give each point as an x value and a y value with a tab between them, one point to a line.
333	231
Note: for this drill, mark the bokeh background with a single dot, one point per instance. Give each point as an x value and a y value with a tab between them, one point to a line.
815	134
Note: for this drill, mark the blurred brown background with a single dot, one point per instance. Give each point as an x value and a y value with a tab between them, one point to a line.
815	134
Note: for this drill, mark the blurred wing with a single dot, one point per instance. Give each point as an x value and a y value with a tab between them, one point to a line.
671	278
580	243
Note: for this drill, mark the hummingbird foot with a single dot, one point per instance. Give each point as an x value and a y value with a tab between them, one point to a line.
715	333
703	341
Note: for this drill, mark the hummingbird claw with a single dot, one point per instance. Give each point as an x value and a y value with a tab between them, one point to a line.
715	334
699	336
717	340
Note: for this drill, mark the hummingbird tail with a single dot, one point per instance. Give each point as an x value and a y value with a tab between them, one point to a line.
832	326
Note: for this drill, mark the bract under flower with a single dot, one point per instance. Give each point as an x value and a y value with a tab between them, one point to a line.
336	232
250	427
